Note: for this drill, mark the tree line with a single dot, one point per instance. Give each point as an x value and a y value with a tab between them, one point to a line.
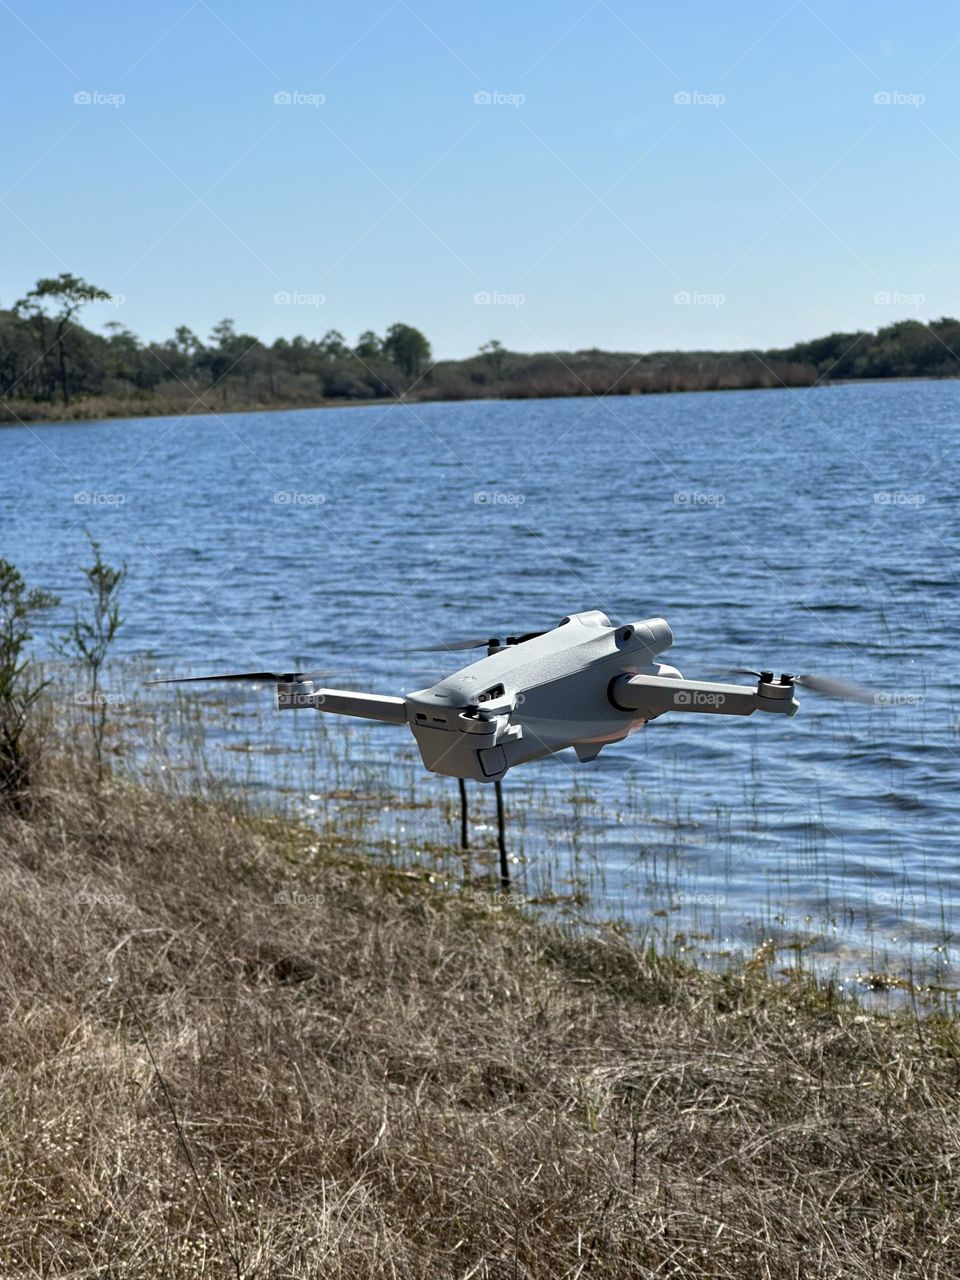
46	355
52	366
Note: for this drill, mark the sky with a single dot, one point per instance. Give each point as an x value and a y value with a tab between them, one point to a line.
555	175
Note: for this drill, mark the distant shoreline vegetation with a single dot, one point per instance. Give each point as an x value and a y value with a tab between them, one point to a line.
52	368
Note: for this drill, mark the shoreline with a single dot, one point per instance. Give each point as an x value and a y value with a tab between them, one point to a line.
121	411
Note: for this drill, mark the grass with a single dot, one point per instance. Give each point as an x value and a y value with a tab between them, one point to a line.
175	402
377	1077
589	374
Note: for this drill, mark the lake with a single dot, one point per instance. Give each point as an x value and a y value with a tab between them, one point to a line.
806	530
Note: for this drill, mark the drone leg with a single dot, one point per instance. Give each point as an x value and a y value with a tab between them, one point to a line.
502	842
464	830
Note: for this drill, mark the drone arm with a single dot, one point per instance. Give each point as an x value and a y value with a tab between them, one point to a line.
369	706
653	695
343	702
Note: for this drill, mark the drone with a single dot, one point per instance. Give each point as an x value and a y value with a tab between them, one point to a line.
584	683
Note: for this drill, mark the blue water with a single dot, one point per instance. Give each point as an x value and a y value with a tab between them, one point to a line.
816	529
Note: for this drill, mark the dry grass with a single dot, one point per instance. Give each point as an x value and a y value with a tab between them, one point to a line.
177	402
392	1081
541	377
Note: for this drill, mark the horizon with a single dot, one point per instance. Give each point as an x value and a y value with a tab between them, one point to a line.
563	178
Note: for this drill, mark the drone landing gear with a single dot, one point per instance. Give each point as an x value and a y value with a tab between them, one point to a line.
464	828
501	831
502	841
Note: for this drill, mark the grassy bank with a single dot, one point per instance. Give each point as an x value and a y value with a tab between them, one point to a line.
234	1048
100	408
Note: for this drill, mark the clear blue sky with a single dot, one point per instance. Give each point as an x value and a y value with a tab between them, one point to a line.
583	198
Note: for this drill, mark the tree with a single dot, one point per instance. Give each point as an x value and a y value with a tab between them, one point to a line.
493	352
334	345
224	334
300	352
369	346
129	362
19	687
186	341
19	369
65	294
231	350
407	348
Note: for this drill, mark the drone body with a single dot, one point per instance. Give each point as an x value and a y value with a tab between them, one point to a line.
582	684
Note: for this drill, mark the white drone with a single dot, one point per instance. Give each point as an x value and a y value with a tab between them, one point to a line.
583	684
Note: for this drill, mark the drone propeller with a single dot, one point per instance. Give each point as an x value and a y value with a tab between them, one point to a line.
452	646
251	677
830	687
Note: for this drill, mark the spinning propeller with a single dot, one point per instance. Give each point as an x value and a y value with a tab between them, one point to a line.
829	686
251	677
452	646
